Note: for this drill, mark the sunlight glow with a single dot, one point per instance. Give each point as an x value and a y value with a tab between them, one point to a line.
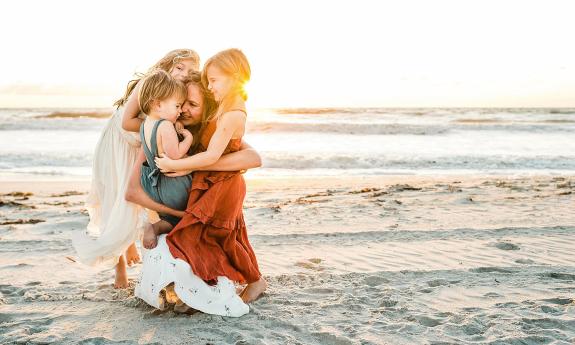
303	54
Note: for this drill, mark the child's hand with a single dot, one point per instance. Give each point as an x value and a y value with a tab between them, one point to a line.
185	133
178	126
164	163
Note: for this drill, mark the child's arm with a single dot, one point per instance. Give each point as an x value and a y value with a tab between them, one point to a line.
230	123
246	158
171	146
136	194
130	120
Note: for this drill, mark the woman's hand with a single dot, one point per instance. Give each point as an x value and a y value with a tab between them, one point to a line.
165	164
179	173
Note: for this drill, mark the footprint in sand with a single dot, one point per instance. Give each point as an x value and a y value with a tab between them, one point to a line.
560	276
525	261
375	280
387	303
438	282
560	301
311	264
506	246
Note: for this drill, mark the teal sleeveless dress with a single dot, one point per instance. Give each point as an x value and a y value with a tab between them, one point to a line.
170	191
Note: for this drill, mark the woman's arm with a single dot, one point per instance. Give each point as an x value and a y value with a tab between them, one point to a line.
130	120
228	125
136	194
246	158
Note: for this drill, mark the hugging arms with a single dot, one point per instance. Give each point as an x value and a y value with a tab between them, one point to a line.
246	158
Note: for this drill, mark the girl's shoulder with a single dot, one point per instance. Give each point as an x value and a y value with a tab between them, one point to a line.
235	114
233	118
240	110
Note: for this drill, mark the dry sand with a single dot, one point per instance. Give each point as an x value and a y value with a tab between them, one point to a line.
356	260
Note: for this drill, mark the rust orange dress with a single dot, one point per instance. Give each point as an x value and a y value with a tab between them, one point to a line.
212	236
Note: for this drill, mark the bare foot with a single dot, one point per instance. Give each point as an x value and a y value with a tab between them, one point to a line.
121	274
171	296
150	240
132	255
254	290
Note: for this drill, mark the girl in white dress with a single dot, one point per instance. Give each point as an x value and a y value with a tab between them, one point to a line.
114	222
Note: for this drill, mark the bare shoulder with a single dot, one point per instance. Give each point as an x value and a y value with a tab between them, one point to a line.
166	127
234	116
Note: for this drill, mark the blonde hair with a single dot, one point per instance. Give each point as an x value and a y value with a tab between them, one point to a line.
166	64
159	86
234	64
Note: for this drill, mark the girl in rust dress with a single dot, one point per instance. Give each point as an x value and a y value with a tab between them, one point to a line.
212	235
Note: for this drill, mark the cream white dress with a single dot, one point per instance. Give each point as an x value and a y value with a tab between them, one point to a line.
114	222
160	269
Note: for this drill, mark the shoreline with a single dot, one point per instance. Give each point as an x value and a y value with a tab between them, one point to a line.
7	184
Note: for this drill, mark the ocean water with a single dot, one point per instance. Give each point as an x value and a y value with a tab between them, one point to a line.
59	143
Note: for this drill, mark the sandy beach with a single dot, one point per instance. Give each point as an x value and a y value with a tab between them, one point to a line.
350	260
410	172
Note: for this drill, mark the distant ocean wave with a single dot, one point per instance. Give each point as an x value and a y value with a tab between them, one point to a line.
55	125
324	141
96	124
347	128
368	121
423	111
44	159
343	162
74	115
411	129
80	164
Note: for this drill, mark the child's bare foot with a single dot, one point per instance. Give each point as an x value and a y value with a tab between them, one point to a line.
121	274
150	240
171	296
132	255
254	290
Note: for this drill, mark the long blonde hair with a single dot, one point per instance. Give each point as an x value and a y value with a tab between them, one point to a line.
234	64
166	64
158	86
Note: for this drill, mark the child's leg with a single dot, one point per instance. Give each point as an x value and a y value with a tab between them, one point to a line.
121	274
132	255
152	232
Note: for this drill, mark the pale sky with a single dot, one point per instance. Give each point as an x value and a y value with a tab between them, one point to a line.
401	53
